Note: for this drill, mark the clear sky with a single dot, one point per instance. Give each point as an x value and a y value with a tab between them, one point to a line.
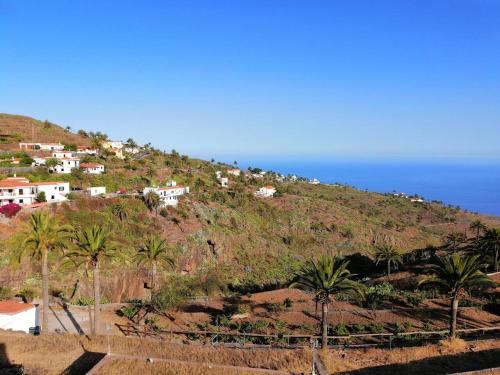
262	77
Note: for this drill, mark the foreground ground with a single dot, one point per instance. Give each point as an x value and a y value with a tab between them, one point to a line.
71	354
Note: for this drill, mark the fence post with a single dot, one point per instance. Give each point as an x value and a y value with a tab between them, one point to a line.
390	342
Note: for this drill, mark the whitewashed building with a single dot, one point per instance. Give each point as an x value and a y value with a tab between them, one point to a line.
63	154
96	190
86	150
41	146
169	195
19	190
266	191
224	182
66	165
18	316
234	171
92	168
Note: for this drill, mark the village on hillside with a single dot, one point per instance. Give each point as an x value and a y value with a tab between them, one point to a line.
198	216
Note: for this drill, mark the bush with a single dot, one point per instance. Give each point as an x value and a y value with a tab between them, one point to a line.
341	330
27	294
378	293
87	301
414	299
164	213
287	303
10	210
41	197
171	295
359	328
129	312
376	328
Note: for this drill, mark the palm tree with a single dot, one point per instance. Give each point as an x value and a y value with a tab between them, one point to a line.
45	235
454	239
153	201
457	275
490	241
52	163
389	254
120	210
154	253
478	227
326	277
92	247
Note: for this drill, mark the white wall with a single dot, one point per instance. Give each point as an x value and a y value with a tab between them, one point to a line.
21	321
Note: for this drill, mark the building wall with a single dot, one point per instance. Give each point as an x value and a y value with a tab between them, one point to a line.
22	321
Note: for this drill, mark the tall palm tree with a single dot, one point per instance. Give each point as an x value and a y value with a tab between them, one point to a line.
457	275
45	235
326	277
154	253
490	241
389	254
477	226
92	248
454	239
152	201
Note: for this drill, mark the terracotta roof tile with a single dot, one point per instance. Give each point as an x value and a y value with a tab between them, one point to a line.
13	307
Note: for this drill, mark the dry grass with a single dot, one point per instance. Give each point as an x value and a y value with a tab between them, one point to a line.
447	354
119	367
63	350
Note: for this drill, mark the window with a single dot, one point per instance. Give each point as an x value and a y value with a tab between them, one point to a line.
21	192
61	188
21	200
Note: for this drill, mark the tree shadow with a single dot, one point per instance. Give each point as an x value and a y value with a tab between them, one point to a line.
6	366
446	364
73	320
84	363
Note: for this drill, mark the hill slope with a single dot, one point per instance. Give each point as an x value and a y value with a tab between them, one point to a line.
15	128
246	241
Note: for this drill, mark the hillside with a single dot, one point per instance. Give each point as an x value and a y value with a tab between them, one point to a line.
245	241
15	128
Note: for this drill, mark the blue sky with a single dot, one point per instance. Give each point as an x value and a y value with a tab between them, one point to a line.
235	78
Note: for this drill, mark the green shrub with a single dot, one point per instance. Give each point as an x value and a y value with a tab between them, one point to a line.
129	312
87	300
27	294
341	330
376	327
359	328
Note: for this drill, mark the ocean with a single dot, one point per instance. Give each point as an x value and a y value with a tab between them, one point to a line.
474	186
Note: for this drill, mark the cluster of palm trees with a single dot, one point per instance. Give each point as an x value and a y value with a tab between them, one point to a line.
89	247
328	276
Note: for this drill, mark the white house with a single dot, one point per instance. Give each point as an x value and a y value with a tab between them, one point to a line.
19	190
234	171
86	150
92	168
96	190
66	165
63	154
314	181
266	191
41	146
18	316
224	181
169	195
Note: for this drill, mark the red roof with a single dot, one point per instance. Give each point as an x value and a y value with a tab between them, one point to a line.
13	307
90	165
269	187
20	183
172	187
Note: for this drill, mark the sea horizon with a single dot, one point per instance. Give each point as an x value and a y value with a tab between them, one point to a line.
470	184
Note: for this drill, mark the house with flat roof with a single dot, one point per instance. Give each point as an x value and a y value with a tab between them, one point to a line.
41	146
169	195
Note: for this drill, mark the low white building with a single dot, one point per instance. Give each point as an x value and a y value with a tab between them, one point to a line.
41	146
66	165
314	181
86	150
19	190
96	190
63	154
92	168
18	316
169	195
224	182
266	191
234	171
